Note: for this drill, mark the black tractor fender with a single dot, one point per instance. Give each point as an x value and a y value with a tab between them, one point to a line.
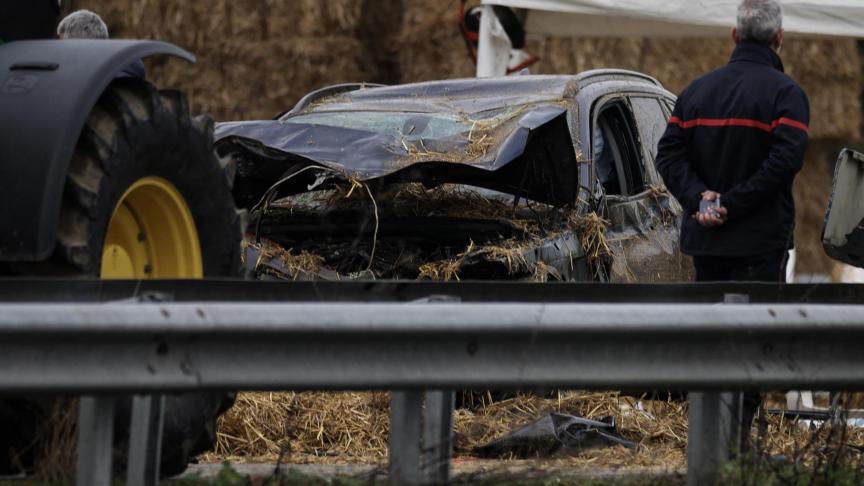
47	90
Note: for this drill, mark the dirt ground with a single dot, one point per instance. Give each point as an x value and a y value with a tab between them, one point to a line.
489	472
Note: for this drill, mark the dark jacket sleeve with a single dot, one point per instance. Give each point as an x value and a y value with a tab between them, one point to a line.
674	165
785	159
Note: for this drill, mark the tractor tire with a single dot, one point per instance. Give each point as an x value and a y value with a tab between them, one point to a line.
136	133
146	197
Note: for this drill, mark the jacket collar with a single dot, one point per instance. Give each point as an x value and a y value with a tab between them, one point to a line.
758	53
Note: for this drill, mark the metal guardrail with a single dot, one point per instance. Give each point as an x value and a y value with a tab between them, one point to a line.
103	350
182	346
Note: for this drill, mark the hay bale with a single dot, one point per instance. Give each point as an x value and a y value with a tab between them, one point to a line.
305	426
319	427
676	64
830	72
812	189
256	58
354	427
262	79
257	80
572	55
431	46
306	18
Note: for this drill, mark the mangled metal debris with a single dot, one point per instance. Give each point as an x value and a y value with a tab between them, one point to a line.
555	435
446	233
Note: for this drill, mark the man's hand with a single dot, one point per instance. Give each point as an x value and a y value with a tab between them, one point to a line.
710	196
714	216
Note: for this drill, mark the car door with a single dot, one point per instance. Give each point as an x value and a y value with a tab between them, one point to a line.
644	219
843	230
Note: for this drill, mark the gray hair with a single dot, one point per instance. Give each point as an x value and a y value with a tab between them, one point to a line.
759	20
82	24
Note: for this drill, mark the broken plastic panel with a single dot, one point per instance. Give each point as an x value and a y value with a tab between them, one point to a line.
554	435
843	232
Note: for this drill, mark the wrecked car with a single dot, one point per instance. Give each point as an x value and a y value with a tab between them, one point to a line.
526	177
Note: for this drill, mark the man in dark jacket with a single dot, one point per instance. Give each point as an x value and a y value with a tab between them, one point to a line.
734	143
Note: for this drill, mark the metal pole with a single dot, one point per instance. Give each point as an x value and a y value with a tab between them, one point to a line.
736	428
95	440
437	437
738	431
709	444
715	426
493	46
145	440
405	417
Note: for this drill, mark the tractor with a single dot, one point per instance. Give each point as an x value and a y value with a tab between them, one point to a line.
105	176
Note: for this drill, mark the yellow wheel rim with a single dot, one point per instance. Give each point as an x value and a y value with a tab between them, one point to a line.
151	234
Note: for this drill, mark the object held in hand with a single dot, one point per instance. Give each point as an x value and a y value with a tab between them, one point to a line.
710	207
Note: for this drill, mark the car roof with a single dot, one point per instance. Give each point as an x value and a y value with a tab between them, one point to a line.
470	95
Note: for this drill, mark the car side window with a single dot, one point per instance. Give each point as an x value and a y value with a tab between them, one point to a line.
652	122
617	161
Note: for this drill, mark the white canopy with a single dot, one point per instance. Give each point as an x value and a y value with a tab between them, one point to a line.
664	18
678	18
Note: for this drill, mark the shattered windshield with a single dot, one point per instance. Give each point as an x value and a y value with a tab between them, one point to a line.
523	150
407	125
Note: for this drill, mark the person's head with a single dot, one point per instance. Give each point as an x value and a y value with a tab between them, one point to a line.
82	24
761	22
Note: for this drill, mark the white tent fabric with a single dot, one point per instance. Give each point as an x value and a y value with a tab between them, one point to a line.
681	18
659	18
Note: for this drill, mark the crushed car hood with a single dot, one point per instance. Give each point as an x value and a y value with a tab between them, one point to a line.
516	141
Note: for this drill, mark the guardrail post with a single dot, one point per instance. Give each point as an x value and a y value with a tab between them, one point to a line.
95	440
437	437
405	418
736	427
711	435
145	440
714	426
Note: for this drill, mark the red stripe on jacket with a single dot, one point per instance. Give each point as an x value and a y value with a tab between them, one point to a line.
738	122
